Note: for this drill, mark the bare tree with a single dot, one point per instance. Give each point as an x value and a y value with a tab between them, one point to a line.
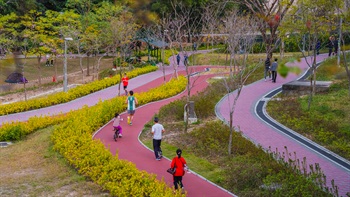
232	21
240	42
269	14
346	26
308	21
121	32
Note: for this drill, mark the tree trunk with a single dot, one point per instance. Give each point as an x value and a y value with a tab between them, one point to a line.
310	95
187	98
231	133
87	65
55	65
346	66
39	70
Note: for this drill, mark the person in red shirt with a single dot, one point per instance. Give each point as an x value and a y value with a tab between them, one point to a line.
179	163
125	81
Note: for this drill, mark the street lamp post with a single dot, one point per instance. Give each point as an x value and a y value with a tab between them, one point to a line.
163	47
65	81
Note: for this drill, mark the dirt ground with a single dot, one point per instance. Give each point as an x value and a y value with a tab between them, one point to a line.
44	89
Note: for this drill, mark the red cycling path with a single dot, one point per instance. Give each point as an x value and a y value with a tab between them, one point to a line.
245	118
262	134
130	148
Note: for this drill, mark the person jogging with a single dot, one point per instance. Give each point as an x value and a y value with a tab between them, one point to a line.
131	101
125	81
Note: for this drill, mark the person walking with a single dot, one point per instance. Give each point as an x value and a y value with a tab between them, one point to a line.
180	165
335	45
267	68
131	101
116	124
330	46
157	131
186	60
273	69
178	58
125	81
318	47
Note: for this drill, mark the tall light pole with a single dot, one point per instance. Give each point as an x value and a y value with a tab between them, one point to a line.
163	47
65	82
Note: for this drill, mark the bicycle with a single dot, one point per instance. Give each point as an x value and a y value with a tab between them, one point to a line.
116	134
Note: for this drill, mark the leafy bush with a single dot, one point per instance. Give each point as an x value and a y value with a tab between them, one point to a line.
73	140
324	122
249	171
18	130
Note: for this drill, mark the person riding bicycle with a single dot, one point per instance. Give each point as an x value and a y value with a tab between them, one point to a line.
116	124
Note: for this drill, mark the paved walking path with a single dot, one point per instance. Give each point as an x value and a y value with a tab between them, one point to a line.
259	132
129	147
89	100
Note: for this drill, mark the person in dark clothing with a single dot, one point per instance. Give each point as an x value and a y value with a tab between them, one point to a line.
330	46
178	58
318	47
335	44
186	60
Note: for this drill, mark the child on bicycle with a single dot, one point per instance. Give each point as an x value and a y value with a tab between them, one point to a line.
116	124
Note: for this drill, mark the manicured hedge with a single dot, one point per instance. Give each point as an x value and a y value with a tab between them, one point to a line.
63	97
73	140
14	131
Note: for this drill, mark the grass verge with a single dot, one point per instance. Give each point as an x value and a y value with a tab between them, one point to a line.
37	170
327	122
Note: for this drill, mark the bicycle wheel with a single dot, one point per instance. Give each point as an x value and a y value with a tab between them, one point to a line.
115	135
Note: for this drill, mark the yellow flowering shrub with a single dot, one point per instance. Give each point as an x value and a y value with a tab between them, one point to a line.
14	131
73	140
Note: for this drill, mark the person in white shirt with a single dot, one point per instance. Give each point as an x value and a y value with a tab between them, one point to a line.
157	130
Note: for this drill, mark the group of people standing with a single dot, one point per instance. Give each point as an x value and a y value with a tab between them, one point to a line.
178	59
332	44
271	69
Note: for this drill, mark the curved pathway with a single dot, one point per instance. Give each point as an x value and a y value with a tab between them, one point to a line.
129	147
268	137
89	100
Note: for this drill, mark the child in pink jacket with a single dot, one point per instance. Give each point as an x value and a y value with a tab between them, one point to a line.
116	124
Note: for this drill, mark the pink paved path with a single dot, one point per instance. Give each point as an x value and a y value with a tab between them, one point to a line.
252	127
244	115
129	148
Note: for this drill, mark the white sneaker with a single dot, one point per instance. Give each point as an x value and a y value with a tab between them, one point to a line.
120	135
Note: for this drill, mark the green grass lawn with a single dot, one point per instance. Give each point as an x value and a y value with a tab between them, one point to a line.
31	71
37	170
205	147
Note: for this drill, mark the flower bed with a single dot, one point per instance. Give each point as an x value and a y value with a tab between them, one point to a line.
73	140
